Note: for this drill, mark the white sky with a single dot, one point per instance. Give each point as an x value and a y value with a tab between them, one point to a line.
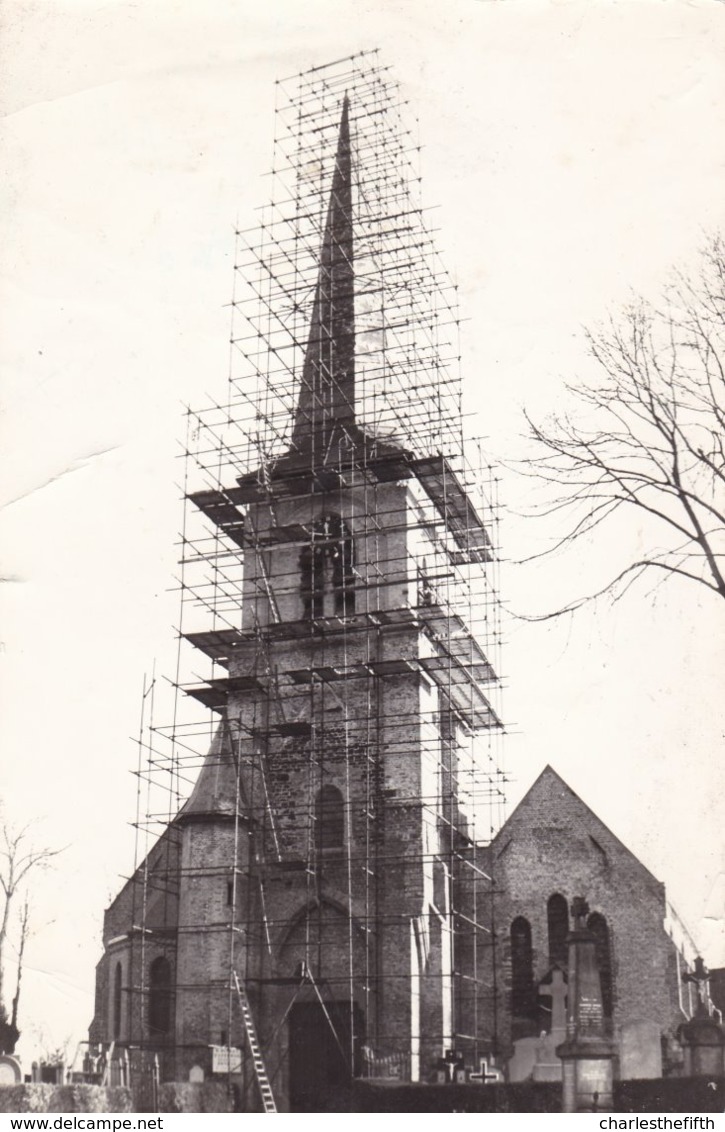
576	150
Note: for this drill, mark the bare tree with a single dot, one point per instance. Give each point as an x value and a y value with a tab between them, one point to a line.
19	858
24	933
649	436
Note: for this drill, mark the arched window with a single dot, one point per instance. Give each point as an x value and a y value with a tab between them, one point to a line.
116	1018
523	1000
160	997
557	915
327	581
329	819
598	927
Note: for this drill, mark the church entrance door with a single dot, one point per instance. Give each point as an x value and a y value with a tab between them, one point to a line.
320	1069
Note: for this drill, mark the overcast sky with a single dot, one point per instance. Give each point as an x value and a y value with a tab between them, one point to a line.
576	150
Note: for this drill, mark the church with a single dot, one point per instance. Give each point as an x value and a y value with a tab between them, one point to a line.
335	896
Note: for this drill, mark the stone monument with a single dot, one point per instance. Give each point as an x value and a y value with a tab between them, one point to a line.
588	1052
702	1039
535	1058
547	1066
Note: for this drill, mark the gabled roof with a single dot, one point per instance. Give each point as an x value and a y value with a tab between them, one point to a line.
547	780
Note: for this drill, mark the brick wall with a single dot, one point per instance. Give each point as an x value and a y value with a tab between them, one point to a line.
554	843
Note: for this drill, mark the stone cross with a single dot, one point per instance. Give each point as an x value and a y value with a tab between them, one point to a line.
700	976
488	1074
450	1069
556	990
580	911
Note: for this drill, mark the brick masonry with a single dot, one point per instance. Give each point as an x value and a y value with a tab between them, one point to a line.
239	883
554	843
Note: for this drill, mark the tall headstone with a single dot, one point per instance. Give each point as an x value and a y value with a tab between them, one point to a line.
535	1058
547	1066
588	1052
556	991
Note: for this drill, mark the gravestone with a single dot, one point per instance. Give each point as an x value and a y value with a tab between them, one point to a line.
521	1065
488	1073
556	990
702	1038
536	1058
588	1053
10	1071
196	1074
47	1073
640	1050
451	1069
547	1066
703	1042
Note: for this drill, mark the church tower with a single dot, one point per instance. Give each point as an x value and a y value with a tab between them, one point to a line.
324	909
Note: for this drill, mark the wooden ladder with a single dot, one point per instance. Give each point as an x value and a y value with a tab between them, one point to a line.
261	1073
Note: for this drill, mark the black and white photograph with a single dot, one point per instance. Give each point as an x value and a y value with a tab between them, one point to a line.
362	624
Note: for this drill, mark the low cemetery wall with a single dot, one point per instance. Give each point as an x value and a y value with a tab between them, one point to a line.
661	1095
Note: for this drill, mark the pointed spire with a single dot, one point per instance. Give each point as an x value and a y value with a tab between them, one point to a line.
327	387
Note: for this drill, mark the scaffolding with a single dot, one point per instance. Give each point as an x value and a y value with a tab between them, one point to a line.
339	624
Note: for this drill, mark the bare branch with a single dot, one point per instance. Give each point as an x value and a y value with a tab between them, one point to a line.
628	575
19	858
24	933
653	441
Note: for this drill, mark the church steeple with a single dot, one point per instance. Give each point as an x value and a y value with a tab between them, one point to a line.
330	838
327	388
